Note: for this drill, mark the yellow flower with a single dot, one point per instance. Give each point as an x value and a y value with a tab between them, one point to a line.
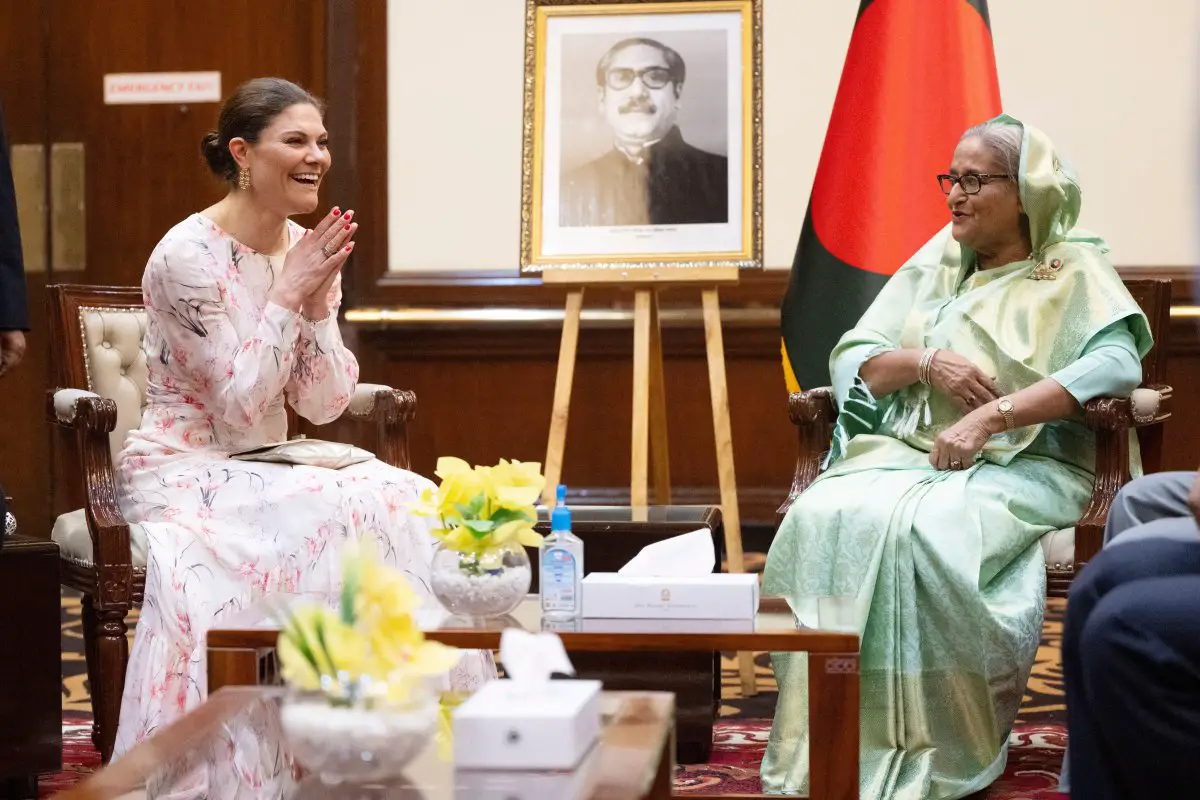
461	540
316	642
461	486
516	485
449	465
371	635
521	530
348	647
392	637
428	503
382	592
415	666
295	667
480	508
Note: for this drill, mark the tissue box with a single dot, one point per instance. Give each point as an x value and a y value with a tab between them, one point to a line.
491	784
550	725
710	596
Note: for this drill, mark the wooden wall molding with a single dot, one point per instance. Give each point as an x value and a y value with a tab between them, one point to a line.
486	385
750	312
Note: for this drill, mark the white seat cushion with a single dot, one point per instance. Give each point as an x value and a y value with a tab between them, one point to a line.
1059	547
75	543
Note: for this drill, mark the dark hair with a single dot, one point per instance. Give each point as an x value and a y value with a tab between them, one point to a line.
674	60
245	113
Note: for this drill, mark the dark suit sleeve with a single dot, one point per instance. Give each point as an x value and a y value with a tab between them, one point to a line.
14	313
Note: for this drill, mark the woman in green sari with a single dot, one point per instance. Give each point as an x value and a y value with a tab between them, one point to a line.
959	443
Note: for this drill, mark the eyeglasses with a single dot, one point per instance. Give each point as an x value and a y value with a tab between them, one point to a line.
971	183
652	77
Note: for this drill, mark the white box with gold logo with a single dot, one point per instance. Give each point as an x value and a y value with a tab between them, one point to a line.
711	596
506	726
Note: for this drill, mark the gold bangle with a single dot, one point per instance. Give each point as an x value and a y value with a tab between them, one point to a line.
925	364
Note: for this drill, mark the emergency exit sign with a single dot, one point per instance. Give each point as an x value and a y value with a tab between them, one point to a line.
132	88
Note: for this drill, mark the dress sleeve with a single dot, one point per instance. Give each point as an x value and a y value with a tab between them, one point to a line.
1108	367
233	379
325	372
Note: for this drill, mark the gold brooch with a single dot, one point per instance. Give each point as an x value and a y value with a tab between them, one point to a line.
1046	272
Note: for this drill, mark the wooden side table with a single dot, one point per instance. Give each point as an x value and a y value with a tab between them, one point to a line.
31	673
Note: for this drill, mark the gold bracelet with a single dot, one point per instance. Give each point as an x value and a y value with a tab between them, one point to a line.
924	365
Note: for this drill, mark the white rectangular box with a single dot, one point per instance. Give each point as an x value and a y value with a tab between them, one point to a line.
505	726
665	625
713	596
494	784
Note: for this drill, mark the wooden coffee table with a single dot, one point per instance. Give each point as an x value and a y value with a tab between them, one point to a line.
236	649
633	760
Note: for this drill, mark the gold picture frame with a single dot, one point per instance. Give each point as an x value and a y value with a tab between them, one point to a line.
575	212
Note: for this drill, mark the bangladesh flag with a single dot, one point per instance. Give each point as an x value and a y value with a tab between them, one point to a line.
918	73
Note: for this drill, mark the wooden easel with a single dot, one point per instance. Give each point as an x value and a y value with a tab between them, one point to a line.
649	436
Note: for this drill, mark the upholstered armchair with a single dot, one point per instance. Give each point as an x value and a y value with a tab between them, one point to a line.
1111	418
100	391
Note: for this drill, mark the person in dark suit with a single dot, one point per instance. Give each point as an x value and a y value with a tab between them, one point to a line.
14	315
651	176
1131	649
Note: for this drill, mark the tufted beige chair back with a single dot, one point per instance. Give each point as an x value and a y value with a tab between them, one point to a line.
115	363
96	339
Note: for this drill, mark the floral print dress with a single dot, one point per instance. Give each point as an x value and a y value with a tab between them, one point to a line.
223	533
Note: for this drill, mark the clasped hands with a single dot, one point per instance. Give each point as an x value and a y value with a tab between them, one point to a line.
954	376
314	264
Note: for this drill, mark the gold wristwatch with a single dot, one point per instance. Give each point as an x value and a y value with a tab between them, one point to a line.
1005	407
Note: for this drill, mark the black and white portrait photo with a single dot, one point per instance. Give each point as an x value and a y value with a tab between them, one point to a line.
650	172
642	134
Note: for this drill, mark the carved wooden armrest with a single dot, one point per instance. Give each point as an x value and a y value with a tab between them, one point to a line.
1111	418
1147	405
813	413
390	410
92	418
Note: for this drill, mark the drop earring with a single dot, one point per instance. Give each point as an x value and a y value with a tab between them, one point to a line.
244	178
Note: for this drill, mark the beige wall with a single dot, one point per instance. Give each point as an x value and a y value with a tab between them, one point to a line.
1111	81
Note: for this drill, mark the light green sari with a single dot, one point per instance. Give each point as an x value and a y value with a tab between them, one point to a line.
946	567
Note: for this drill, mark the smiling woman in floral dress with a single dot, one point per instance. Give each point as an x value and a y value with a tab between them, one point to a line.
242	316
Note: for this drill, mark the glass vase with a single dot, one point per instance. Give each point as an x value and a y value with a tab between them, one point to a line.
481	585
350	732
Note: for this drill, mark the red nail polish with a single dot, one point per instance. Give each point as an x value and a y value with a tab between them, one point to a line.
347	227
349	247
349	214
337	212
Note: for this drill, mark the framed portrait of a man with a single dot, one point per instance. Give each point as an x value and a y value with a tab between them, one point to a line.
642	134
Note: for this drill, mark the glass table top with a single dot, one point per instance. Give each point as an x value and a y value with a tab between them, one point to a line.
234	747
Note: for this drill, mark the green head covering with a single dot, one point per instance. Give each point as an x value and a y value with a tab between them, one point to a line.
1049	192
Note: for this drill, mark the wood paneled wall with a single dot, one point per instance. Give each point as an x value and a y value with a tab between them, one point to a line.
142	167
485	388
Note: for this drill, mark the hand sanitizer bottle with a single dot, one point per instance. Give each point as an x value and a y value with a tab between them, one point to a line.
561	557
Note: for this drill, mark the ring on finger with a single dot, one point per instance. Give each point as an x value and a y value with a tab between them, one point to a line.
955	463
325	249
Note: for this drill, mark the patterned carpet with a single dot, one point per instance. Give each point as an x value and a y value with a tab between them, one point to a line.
1035	746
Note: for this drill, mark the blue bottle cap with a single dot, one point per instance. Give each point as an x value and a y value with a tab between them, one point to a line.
560	517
